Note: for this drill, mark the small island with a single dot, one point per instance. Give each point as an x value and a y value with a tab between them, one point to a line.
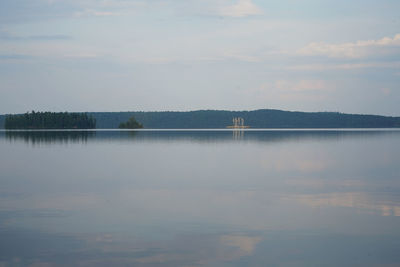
130	124
49	120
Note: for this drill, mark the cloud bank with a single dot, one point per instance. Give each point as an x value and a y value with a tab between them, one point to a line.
357	49
242	8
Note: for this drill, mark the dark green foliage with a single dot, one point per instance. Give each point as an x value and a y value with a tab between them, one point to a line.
2	121
263	118
130	124
49	120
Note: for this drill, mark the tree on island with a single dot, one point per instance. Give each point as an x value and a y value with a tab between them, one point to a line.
49	120
130	124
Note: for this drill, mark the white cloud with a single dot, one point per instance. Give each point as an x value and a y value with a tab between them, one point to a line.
301	86
242	8
292	94
81	56
97	13
344	66
357	49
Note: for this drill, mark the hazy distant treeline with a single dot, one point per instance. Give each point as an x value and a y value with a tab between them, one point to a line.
49	120
264	118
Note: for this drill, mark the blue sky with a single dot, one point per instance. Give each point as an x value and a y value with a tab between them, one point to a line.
120	55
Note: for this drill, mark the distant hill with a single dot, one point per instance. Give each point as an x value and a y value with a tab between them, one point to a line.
263	118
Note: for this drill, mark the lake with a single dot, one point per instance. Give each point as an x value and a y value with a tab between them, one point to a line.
200	198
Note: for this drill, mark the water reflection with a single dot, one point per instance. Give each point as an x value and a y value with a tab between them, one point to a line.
237	134
384	205
49	137
110	249
77	136
200	198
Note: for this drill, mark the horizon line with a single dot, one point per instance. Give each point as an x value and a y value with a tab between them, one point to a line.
197	110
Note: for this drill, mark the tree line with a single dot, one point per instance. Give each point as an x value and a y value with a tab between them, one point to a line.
266	118
50	120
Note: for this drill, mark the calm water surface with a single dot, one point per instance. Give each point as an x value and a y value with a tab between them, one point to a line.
200	198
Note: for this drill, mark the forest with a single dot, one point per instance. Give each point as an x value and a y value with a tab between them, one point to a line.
132	123
202	119
49	120
263	118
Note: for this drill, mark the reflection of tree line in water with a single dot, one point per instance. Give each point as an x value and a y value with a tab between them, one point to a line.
192	136
37	137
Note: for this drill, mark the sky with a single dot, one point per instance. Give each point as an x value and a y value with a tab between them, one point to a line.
155	55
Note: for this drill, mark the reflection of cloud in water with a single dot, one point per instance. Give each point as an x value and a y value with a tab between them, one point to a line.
180	250
359	200
319	183
52	202
292	162
245	244
162	258
202	250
